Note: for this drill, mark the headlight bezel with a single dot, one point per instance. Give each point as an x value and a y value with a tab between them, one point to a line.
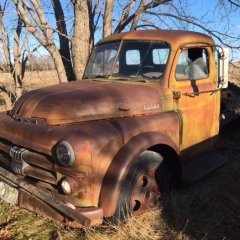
65	154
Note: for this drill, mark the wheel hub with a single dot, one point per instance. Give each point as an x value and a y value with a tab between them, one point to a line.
145	193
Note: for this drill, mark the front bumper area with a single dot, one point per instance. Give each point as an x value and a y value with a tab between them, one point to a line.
16	190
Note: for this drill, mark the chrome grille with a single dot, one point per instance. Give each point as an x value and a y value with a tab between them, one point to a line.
16	152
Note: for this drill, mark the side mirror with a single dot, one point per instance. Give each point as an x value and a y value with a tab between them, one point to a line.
223	60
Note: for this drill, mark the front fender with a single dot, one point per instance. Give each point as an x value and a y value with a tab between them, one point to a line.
121	164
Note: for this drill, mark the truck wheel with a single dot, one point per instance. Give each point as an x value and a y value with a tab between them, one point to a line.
146	180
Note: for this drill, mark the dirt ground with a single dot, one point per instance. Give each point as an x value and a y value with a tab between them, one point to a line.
208	209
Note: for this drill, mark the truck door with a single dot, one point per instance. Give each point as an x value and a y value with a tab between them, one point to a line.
196	97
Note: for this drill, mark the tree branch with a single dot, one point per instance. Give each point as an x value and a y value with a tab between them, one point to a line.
63	38
140	10
153	4
5	39
191	21
32	29
234	3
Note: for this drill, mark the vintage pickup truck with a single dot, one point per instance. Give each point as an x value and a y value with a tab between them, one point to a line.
144	118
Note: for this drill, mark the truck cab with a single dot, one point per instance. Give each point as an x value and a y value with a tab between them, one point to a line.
145	117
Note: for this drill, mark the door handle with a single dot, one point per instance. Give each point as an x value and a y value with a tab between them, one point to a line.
193	94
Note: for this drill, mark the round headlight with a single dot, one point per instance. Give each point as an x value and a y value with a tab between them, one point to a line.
65	154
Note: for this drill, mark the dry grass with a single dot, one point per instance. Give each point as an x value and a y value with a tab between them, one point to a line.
32	79
209	209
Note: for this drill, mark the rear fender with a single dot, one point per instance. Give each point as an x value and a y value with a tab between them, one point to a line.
121	164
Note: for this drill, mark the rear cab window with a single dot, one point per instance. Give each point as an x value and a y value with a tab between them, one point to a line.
143	59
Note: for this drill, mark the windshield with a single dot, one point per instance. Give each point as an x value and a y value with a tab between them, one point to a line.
134	60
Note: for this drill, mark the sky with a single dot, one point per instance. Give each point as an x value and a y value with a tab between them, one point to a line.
222	18
216	16
213	11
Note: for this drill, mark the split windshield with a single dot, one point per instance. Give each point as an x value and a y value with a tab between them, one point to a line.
129	60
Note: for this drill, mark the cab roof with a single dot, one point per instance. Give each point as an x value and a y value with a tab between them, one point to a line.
174	37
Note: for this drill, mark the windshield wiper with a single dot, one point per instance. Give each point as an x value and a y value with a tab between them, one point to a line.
97	76
140	80
128	79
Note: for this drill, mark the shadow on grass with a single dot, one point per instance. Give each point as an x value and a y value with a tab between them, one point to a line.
210	208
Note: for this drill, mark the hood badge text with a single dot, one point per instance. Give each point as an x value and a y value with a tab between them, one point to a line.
151	106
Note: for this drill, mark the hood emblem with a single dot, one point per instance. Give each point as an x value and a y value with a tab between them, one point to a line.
151	106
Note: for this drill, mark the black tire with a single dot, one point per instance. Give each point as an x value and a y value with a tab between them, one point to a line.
151	176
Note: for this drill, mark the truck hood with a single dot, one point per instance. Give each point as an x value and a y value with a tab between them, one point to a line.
89	100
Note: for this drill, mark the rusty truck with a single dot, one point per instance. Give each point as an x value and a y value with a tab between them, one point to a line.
144	118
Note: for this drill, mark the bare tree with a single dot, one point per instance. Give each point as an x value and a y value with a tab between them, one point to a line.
16	66
81	41
235	3
129	16
64	41
107	21
92	18
70	59
32	14
37	62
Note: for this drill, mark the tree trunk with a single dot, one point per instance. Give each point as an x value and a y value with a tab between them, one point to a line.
81	38
137	18
58	64
16	70
107	20
63	39
41	31
18	80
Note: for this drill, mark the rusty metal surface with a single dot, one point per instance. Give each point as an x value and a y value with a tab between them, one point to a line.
123	161
89	100
109	123
174	37
97	102
40	174
30	202
86	218
94	155
146	192
199	106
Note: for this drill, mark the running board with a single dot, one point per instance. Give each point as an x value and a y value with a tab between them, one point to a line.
201	166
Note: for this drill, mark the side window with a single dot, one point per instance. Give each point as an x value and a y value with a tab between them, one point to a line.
132	57
160	55
192	64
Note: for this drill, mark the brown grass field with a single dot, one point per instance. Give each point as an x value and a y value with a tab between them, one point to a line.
208	209
33	79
